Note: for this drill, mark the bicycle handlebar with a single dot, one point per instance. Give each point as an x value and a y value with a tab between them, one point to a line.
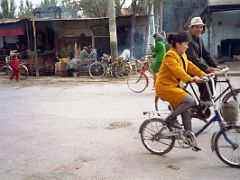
141	62
223	70
207	78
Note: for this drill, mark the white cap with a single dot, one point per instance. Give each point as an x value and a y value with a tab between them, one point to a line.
196	21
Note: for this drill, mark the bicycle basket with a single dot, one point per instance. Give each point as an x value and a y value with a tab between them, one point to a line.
230	112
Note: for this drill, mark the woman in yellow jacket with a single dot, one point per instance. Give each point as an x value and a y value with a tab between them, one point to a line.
174	69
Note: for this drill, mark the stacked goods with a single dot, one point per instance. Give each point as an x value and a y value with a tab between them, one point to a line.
64	60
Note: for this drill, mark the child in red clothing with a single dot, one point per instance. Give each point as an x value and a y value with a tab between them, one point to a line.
15	67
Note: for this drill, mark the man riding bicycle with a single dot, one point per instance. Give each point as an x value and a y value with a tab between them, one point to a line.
199	55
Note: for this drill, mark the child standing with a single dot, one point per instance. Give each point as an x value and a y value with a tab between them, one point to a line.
15	67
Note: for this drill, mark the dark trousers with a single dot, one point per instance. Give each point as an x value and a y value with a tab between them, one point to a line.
204	95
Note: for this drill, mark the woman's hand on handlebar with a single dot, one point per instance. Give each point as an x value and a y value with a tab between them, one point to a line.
196	79
211	74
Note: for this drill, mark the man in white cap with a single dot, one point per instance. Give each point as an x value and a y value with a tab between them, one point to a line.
199	55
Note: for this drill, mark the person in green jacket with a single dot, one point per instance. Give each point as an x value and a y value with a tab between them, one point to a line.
158	52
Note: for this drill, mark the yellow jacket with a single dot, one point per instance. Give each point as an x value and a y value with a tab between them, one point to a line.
171	73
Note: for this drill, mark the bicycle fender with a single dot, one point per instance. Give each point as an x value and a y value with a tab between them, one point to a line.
24	67
7	66
142	125
213	140
147	121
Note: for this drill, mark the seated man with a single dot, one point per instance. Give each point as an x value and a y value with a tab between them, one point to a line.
83	63
93	55
126	54
84	56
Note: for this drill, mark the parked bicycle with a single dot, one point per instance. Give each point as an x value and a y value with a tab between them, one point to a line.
159	138
118	69
138	80
202	109
6	69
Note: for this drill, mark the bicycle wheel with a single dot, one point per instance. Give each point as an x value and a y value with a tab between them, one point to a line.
225	151
122	69
96	70
127	68
155	136
118	70
137	82
231	96
23	72
6	71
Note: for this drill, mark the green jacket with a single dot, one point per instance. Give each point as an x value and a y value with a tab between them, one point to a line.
158	51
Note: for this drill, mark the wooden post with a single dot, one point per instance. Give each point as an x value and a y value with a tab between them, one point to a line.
132	46
35	47
160	15
156	15
112	29
147	29
180	15
27	31
209	28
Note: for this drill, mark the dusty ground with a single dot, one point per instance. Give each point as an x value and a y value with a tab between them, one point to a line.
70	129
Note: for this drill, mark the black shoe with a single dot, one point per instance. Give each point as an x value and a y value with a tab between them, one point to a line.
195	148
173	124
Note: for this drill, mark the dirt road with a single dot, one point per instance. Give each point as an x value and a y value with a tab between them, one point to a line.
71	130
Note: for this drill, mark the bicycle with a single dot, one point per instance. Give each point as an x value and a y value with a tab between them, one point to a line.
159	138
138	80
118	69
202	110
6	69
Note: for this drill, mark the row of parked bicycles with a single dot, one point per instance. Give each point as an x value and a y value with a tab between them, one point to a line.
6	69
119	68
99	69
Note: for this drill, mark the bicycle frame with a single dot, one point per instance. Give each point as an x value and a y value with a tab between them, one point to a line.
217	118
145	70
229	87
6	63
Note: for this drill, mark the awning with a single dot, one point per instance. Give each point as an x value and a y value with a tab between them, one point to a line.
216	8
11	29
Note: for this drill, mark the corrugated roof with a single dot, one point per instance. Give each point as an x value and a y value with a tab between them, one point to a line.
66	19
47	9
78	19
221	6
8	21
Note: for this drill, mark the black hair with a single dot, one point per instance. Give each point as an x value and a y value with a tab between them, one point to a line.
173	39
14	56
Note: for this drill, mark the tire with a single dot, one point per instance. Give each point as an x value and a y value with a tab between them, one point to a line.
137	82
122	69
159	145
118	70
6	71
96	70
225	152
127	68
156	100
23	72
230	96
